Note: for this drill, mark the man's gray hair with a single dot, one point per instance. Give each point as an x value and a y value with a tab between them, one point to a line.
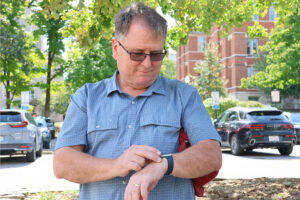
154	20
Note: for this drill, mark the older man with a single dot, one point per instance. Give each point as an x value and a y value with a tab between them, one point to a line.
120	136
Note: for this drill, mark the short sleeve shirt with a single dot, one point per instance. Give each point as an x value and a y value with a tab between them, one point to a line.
108	121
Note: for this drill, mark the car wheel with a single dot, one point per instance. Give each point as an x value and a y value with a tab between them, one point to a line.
236	146
31	156
285	151
40	152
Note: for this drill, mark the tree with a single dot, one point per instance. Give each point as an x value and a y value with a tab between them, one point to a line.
168	68
208	70
96	18
90	66
282	70
49	17
19	59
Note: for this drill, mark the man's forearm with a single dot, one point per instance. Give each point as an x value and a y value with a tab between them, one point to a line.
198	160
79	167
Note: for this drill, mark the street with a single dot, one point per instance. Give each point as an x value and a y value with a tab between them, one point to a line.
18	176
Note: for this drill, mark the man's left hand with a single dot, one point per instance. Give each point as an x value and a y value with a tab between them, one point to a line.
142	182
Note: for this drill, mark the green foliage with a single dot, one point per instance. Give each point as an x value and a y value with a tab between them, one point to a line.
61	94
226	103
19	58
208	70
90	66
168	68
282	70
50	18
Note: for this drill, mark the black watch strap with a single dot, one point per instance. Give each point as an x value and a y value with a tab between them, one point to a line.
170	160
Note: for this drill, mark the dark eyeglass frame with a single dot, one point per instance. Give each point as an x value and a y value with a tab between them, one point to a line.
142	56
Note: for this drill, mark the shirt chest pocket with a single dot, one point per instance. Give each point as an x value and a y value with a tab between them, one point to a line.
102	129
161	125
161	133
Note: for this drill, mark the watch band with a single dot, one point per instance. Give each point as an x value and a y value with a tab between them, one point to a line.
170	160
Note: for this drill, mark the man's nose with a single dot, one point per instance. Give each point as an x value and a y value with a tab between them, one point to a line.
147	61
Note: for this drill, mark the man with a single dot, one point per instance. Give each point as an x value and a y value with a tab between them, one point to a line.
117	131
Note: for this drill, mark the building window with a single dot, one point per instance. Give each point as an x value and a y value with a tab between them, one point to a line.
252	46
201	43
253	98
272	14
251	71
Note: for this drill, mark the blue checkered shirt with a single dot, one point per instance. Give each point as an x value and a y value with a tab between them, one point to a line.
108	121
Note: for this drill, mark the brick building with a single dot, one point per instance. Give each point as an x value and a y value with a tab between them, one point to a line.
237	52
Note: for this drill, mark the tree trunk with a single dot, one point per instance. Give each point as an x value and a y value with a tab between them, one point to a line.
48	90
8	102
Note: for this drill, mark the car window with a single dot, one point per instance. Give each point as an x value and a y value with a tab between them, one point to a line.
10	117
233	116
272	114
30	119
39	124
223	117
243	116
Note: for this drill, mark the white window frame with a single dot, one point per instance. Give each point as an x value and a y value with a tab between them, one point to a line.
201	44
252	46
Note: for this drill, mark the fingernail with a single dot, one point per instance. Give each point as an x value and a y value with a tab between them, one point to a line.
159	153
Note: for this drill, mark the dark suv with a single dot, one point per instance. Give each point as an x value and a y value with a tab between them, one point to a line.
244	129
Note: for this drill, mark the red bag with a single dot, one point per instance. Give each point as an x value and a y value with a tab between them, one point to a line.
200	181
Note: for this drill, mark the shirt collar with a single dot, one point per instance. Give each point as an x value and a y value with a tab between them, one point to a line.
112	84
156	88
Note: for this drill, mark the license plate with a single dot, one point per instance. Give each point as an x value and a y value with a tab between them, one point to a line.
1	138
273	138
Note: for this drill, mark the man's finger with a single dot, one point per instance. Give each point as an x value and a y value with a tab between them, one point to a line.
148	155
135	166
135	192
144	192
154	150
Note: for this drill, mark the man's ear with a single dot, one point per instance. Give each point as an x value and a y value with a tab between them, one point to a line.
114	44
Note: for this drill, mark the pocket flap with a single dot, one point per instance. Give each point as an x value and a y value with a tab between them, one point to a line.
168	121
106	123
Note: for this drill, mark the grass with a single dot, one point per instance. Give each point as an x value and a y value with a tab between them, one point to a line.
53	195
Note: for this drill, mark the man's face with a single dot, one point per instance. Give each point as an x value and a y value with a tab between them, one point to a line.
139	39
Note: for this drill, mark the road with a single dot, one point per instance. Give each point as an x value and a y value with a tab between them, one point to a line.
261	163
17	176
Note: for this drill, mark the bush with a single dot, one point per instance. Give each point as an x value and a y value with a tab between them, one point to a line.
226	103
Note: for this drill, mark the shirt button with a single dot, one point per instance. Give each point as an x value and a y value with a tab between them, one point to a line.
129	126
97	126
133	102
124	182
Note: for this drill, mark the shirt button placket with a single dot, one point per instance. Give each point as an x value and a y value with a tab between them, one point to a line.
132	120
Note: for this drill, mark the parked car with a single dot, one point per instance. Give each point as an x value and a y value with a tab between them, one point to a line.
42	125
19	134
244	129
295	119
51	127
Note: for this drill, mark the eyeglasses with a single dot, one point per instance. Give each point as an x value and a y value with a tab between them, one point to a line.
141	56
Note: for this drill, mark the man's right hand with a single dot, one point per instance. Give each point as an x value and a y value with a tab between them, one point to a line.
135	159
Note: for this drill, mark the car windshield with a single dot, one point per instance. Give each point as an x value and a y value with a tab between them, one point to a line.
265	114
10	117
295	117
